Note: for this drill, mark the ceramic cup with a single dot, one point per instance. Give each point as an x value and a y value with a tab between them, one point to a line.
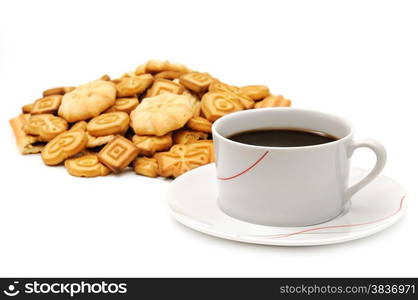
287	186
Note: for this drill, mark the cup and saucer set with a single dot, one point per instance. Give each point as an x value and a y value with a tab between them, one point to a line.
287	196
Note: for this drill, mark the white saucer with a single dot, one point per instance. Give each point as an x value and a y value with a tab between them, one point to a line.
192	199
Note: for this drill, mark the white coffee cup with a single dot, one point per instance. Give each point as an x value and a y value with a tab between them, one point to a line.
287	186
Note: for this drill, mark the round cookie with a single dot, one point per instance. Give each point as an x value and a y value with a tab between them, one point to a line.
108	123
86	166
218	104
63	146
161	114
87	101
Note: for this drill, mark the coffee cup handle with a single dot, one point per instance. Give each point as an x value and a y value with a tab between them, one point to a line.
380	153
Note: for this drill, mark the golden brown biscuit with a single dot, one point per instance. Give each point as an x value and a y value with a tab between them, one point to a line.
272	101
68	89
218	104
57	91
86	166
197	82
131	86
182	158
161	114
255	92
109	123
45	126
161	86
206	145
200	124
146	166
63	146
195	101
156	66
80	125
148	145
124	104
26	144
232	92
26	109
105	77
54	91
188	136
168	75
87	101
46	105
118	154
140	70
97	141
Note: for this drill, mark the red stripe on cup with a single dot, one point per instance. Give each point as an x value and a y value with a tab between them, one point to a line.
246	170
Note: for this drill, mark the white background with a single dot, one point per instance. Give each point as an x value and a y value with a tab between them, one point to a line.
357	59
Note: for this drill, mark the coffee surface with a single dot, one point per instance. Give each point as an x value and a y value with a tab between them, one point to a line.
282	137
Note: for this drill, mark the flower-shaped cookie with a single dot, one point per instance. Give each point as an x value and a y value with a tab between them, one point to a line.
87	100
161	114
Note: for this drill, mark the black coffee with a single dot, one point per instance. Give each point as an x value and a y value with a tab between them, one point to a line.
282	137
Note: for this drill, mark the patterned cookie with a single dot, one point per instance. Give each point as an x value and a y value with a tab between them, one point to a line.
109	123
161	86
133	85
197	82
63	146
233	92
86	166
182	158
218	104
87	101
45	126
118	154
46	105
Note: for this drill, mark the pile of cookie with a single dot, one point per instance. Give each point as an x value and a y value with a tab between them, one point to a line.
156	119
